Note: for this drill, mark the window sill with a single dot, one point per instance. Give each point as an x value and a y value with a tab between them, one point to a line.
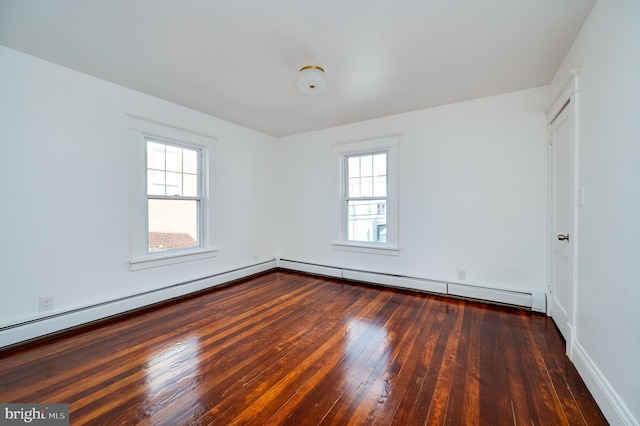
153	261
386	250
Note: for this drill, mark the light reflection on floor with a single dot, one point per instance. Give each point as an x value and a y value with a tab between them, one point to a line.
171	370
359	364
372	334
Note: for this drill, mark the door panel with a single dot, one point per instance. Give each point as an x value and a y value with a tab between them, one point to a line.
562	220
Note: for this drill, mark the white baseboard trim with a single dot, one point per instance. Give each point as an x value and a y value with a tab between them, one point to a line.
613	408
536	301
59	321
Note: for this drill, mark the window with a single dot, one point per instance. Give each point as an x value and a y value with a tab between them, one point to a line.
171	197
366	197
174	197
367	202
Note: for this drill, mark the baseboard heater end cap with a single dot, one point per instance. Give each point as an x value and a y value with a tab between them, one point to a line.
539	302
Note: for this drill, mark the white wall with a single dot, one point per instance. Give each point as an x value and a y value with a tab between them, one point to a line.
607	51
65	204
473	184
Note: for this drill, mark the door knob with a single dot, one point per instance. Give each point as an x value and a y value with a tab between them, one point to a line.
563	237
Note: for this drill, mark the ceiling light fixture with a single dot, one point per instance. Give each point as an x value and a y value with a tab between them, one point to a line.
312	79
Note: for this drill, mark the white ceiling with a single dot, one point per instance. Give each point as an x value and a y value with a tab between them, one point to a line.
238	59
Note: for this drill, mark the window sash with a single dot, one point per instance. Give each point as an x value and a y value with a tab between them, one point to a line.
366	221
183	170
373	177
177	230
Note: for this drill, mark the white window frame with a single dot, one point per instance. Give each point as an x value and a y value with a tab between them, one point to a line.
141	131
390	145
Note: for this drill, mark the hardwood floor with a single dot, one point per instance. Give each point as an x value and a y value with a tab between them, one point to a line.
287	348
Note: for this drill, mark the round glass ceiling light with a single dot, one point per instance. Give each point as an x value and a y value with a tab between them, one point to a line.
312	79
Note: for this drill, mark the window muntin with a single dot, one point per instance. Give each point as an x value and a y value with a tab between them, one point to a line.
174	196
366	188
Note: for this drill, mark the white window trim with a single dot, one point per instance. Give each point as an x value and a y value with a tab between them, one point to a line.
389	144
141	130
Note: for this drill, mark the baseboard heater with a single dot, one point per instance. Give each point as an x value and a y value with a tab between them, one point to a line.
536	301
58	321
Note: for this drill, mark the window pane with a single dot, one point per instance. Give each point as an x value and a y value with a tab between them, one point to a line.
353	165
173	224
366	165
174	183
155	182
380	186
190	185
190	161
155	155
174	158
354	188
366	186
380	164
367	221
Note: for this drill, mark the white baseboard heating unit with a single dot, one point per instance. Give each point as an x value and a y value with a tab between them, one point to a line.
536	301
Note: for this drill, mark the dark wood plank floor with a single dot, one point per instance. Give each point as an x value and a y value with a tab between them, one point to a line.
287	348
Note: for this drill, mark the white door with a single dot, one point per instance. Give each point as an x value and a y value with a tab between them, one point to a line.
562	139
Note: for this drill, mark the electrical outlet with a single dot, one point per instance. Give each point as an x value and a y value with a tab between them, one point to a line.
46	303
255	257
462	274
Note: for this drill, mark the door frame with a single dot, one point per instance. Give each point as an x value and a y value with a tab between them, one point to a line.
568	98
